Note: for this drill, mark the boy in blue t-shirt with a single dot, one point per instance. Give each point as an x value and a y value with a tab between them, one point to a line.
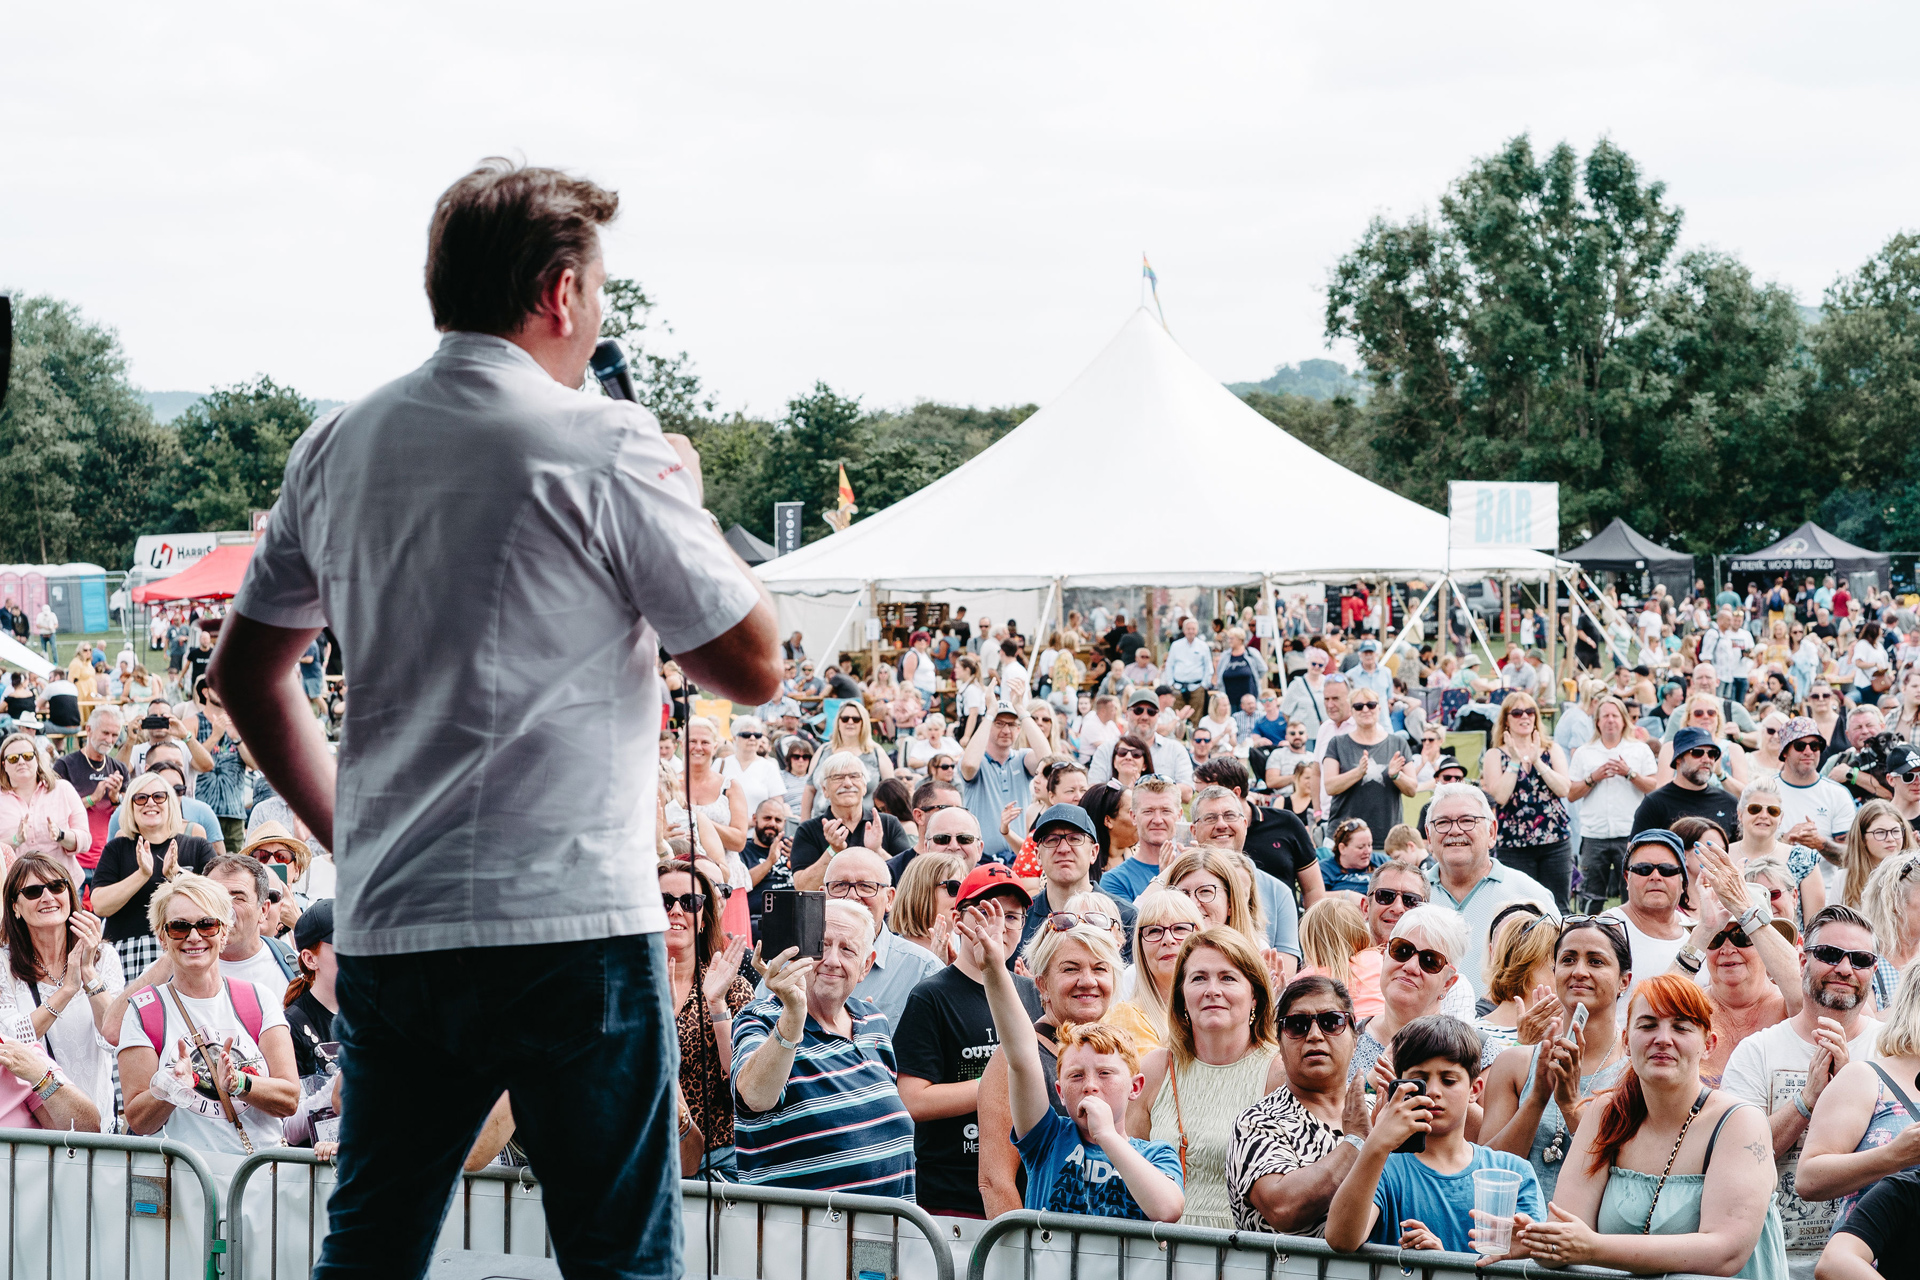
1083	1164
1423	1200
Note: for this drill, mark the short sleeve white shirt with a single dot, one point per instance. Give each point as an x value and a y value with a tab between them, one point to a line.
1607	811
203	1124
501	557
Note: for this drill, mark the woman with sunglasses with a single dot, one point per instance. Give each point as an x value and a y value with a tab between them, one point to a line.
1878	833
796	767
1285	1159
1110	805
1535	1096
704	982
40	812
1752	971
1367	771
1132	756
1828	710
923	902
184	1093
1419	968
1163	920
1760	814
1903	776
62	972
152	848
1525	774
1221	1057
1076	969
852	734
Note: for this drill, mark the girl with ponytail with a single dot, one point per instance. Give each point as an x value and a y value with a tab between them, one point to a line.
1665	1174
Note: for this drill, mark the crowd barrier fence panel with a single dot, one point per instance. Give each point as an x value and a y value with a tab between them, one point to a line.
87	1205
1029	1245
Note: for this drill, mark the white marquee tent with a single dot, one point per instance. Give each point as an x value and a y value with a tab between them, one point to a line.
1204	493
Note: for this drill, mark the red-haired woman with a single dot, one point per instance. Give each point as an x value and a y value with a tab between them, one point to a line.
1666	1174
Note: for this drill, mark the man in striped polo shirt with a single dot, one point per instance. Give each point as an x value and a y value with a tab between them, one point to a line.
816	1105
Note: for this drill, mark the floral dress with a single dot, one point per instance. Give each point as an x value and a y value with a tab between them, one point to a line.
1890	1118
1533	815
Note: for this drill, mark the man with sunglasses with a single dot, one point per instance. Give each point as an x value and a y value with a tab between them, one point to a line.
1065	838
946	828
1656	876
1739	723
1784	1069
1170	758
1815	812
1693	792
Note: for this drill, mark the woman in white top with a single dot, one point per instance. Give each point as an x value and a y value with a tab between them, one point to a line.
1869	660
1219	721
852	733
182	1095
721	800
929	741
62	971
751	764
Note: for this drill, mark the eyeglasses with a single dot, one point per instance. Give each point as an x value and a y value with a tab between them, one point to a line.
1755	810
1205	895
1364	706
32	892
945	838
16	758
1884	833
1386	898
1448	826
1860	960
1060	840
1671	870
1732	933
206	927
838	778
1061	921
1400	951
687	902
149	798
1179	930
865	890
1330	1021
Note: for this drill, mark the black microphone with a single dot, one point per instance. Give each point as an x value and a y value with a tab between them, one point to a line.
610	366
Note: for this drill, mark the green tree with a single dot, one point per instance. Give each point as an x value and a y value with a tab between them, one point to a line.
233	451
666	384
81	459
820	433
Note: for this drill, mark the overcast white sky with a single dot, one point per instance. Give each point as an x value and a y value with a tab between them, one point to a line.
903	200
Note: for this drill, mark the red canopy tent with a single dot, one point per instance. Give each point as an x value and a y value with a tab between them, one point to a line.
216	577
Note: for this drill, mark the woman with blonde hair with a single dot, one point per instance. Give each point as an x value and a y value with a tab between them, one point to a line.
1525	775
853	734
1218	721
1891	904
1076	970
1215	884
1878	833
1332	932
40	812
1163	920
1854	1138
1760	815
923	901
704	790
1519	978
152	848
1221	1057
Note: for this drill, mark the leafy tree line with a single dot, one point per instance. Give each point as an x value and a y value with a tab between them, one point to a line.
1545	325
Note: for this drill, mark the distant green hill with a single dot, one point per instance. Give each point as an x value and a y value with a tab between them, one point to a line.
168	405
1314	379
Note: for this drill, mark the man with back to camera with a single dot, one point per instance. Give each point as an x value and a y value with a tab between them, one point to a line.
496	932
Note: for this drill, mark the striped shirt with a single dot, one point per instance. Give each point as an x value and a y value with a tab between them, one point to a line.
839	1124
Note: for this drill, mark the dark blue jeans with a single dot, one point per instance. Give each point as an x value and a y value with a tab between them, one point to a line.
582	1036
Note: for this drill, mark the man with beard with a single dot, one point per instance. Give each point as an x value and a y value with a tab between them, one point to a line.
1784	1069
1693	792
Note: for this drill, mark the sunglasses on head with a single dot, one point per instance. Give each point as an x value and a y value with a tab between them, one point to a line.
32	892
206	927
687	902
1829	955
1400	951
1061	921
1386	898
1671	870
1298	1026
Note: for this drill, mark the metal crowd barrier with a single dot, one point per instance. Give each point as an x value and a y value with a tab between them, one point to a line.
75	1214
1057	1246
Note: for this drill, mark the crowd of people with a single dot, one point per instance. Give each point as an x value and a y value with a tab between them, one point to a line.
1206	931
1202	933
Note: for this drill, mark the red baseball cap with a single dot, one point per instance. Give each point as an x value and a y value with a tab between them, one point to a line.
989	878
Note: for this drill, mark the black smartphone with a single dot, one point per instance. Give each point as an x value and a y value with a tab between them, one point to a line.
154	722
1418	1142
792	918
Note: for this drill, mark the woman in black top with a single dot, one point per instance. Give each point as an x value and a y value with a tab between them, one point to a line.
153	846
310	1002
20	699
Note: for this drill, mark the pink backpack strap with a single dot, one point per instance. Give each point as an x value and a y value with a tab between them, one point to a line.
153	1017
246	1002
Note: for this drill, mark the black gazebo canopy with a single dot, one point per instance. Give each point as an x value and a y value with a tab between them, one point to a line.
1618	549
1810	550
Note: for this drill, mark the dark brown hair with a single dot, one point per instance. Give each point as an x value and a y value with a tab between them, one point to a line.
710	938
25	964
502	235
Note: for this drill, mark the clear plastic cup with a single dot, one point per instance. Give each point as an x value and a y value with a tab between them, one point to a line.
1496	1194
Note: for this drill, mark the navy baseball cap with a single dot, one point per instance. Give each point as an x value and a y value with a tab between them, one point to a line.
1662	837
1071	815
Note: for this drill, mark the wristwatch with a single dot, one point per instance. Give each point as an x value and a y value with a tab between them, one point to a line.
1689	957
1752	920
94	987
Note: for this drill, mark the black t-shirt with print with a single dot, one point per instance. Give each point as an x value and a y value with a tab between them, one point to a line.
946	1036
